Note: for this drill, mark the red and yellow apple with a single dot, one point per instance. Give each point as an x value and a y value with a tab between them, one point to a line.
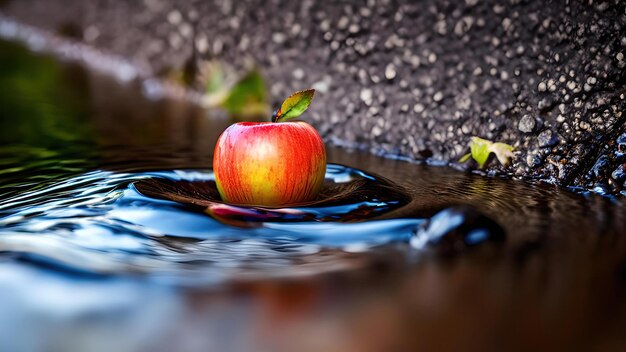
269	163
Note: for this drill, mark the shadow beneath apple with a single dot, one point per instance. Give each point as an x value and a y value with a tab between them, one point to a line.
348	195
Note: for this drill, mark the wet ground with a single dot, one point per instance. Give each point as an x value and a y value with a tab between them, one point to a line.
90	263
414	78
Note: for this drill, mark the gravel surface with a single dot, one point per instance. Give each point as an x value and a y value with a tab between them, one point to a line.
409	78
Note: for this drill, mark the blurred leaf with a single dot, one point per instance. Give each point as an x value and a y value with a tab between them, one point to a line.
247	97
482	148
215	78
465	157
43	104
295	105
503	152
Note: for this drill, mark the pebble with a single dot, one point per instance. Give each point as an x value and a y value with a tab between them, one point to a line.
366	96
174	17
527	124
418	108
546	139
600	167
571	85
390	72
279	37
619	174
343	22
542	86
298	74
621	145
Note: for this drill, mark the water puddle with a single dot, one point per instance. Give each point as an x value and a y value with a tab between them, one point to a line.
172	223
122	189
109	215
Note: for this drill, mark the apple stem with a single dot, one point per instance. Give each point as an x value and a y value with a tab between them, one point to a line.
275	115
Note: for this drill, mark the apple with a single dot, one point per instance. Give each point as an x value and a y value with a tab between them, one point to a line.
271	163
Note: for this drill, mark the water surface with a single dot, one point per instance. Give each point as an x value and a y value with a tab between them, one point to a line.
89	262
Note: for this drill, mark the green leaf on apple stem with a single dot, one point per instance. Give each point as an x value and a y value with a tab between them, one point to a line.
480	149
295	105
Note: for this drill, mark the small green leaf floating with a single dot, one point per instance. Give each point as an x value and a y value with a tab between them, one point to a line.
294	105
481	148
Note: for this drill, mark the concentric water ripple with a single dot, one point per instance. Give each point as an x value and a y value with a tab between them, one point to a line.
100	223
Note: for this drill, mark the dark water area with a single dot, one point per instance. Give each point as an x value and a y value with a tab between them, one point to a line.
111	239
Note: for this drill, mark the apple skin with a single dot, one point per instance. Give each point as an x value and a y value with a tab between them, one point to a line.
269	163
